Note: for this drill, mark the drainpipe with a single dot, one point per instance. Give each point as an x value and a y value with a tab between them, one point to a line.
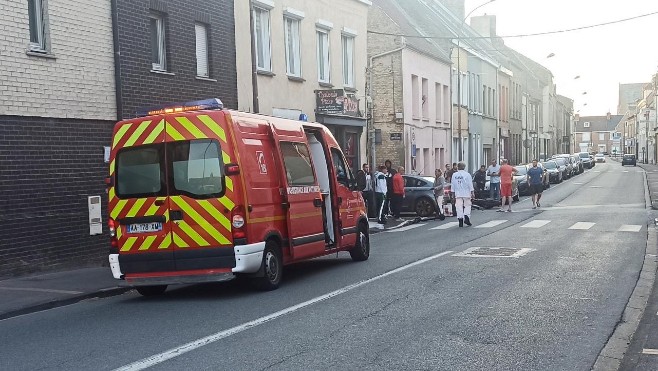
370	101
254	70
117	60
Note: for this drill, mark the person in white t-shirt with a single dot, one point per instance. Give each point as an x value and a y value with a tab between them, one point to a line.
462	188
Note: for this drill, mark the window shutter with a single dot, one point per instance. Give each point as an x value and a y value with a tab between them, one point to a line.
201	50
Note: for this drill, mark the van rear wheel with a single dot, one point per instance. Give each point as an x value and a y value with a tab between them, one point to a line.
361	250
151	290
272	267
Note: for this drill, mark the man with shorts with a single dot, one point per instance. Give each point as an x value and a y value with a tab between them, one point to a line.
506	180
534	178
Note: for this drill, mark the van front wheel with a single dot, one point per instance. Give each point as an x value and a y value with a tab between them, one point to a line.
361	250
151	290
272	267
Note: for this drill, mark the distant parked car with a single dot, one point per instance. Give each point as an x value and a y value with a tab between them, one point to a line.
419	195
628	159
554	172
599	157
521	183
564	166
515	188
587	162
578	164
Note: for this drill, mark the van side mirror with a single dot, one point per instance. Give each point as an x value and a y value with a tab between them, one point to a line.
231	169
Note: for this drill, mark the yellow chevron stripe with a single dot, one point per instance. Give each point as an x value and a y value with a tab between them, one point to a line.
118	231
130	241
174	133
179	241
189	126
117	209
212	125
165	243
139	131
229	183
155	133
111	194
221	218
112	168
135	208
227	202
148	241
120	133
188	230
226	158
200	221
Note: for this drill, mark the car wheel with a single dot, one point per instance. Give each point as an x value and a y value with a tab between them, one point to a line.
515	198
151	290
424	207
361	250
272	267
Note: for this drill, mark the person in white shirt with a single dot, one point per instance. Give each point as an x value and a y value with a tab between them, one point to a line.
494	180
462	188
380	193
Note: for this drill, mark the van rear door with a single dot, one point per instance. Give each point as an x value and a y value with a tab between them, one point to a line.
303	199
138	201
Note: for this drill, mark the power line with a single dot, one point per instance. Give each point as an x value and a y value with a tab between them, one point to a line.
519	35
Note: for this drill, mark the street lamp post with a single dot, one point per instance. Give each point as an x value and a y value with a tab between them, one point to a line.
460	155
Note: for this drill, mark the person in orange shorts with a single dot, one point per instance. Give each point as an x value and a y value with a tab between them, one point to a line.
506	179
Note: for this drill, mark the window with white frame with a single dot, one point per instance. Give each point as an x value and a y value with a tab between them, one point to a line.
262	39
348	60
586	124
601	136
293	53
323	56
201	31
37	25
158	42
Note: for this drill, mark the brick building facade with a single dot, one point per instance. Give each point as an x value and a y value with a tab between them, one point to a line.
57	108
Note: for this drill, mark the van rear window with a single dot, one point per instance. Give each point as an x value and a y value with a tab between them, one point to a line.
196	168
139	172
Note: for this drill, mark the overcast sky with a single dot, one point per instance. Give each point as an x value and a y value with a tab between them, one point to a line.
604	57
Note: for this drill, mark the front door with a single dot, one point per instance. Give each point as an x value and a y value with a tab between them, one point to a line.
303	199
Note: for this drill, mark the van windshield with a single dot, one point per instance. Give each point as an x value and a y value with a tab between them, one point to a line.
139	172
583	155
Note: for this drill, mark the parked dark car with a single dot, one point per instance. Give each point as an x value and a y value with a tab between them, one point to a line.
564	167
571	166
419	195
628	159
586	160
554	172
521	181
578	164
515	189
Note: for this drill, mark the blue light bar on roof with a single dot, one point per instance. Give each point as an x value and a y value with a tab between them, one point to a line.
205	104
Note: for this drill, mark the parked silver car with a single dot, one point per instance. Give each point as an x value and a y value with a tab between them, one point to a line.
419	195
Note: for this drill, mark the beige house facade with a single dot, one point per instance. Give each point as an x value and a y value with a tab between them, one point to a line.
308	63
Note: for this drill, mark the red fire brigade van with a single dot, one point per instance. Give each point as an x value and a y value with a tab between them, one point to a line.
198	193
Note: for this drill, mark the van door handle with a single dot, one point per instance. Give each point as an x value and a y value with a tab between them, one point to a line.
317	202
176	215
159	202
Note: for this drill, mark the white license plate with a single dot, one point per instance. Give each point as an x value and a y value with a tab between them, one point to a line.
145	227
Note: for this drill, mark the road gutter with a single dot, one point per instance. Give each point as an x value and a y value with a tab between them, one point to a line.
613	352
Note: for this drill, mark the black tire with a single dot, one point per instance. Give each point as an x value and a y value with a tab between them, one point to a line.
515	198
424	207
361	250
272	267
151	290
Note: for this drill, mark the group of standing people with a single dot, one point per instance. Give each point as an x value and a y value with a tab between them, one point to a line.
383	191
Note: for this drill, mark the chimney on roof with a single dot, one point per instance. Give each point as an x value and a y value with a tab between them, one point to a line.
485	25
456	7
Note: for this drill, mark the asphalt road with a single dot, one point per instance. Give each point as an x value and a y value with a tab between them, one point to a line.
428	299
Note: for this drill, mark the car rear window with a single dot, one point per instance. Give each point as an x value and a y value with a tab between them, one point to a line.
583	155
196	168
139	172
550	165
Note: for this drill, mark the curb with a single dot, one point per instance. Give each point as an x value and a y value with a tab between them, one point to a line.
102	293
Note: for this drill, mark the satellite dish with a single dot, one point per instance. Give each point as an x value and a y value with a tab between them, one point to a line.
527	143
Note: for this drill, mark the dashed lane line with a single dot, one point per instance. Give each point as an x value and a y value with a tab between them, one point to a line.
582	226
491	224
536	224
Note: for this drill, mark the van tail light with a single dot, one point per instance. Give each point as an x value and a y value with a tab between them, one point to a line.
238	222
112	225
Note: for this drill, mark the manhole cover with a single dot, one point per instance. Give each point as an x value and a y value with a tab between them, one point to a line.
494	252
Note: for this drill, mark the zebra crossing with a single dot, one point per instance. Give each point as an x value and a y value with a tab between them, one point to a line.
533	224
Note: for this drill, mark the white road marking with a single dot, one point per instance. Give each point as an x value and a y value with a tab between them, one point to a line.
629	228
41	290
596	186
578	183
492	223
582	225
536	224
468	253
446	225
650	351
405	228
178	351
626	171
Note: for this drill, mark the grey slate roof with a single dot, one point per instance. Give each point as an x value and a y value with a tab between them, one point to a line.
598	123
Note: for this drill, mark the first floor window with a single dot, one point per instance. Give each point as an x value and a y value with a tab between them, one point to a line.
37	29
158	44
293	57
323	56
201	32
348	60
262	39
